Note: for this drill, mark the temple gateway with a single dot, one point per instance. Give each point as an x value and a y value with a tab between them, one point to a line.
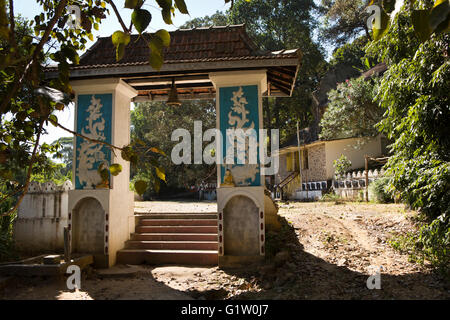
203	63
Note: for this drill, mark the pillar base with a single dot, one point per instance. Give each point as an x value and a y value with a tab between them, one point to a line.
100	222
241	223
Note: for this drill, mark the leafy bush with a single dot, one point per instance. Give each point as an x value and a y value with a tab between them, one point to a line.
435	241
341	166
414	95
378	190
431	242
351	111
6	232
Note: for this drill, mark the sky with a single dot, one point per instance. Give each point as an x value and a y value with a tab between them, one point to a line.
196	8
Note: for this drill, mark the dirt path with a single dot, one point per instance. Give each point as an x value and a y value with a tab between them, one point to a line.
325	251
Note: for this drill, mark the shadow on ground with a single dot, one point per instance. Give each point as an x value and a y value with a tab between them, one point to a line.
291	273
288	273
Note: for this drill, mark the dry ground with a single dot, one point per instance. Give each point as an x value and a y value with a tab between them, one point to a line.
325	251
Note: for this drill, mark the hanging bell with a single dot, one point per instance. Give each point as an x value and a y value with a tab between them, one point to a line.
173	96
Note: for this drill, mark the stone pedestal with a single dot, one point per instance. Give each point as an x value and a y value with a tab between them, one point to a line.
101	216
241	203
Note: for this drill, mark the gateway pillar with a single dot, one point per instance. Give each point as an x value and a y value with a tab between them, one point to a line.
240	192
101	214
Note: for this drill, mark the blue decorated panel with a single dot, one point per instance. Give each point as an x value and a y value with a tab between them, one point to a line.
239	109
94	120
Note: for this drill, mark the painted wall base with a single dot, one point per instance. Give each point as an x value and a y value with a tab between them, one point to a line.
241	224
117	210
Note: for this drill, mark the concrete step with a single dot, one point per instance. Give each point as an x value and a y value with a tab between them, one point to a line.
178	222
176	229
158	257
174	236
172	245
178	215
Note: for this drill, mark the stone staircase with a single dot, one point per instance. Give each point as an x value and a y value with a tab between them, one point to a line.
172	238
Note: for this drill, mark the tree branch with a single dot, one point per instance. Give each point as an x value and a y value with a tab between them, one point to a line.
13	26
37	50
124	27
112	147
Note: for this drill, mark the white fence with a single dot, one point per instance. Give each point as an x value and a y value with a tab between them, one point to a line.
42	216
354	184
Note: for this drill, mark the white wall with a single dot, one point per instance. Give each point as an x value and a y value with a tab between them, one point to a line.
334	149
42	216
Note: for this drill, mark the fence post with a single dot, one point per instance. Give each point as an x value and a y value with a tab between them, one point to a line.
366	167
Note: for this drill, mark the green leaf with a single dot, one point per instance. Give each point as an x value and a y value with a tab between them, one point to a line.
181	5
131	4
367	63
71	53
156	150
164	35
140	186
120	40
120	52
156	44
439	13
156	60
167	16
128	154
419	19
379	33
115	169
166	6
120	37
160	173
444	26
53	119
7	139
141	19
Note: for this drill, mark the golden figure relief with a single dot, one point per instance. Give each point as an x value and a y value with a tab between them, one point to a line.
228	179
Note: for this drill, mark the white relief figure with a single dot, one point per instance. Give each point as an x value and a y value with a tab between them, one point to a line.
243	175
239	102
91	153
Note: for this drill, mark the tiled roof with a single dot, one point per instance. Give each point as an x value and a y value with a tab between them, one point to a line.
187	45
192	55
